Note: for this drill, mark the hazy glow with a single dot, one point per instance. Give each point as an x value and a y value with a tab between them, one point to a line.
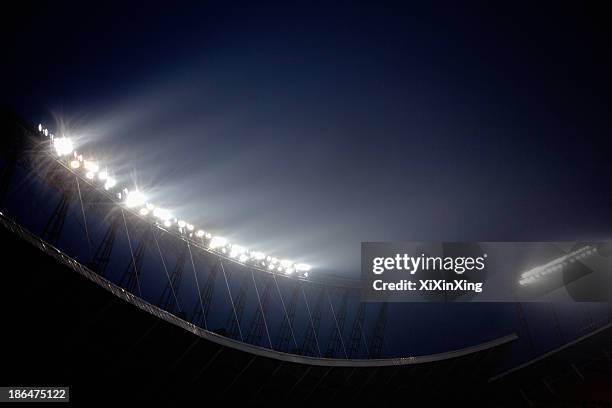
110	183
162	214
258	255
134	199
217	242
91	166
302	267
63	146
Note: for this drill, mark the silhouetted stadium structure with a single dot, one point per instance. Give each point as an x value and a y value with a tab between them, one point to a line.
162	318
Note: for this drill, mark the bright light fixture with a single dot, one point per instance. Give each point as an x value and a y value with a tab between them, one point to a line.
217	242
63	146
162	214
302	267
258	255
110	183
237	250
134	199
91	166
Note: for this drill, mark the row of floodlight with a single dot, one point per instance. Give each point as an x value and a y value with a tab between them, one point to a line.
136	200
556	265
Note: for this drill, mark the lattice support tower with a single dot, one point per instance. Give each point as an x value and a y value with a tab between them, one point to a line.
53	229
376	346
357	333
285	334
309	346
130	280
233	320
167	299
202	304
101	257
334	345
258	326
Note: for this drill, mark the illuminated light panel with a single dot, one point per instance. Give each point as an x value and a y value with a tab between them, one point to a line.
75	164
259	256
556	265
144	211
91	166
237	250
302	267
162	214
110	183
217	242
63	146
134	199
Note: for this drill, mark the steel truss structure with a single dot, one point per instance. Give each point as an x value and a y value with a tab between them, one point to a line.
228	302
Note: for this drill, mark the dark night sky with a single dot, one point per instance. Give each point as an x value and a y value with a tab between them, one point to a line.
304	130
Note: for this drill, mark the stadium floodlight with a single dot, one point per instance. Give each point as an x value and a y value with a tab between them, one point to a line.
237	250
162	214
556	265
110	183
63	146
92	166
302	267
217	242
259	256
134	199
